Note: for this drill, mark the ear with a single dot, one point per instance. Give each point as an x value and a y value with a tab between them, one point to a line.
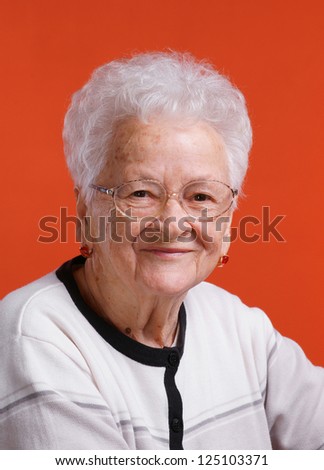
82	212
81	206
226	241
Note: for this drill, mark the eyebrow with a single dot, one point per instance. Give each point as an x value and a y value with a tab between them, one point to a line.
204	177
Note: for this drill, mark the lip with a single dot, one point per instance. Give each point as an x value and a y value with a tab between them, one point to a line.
166	252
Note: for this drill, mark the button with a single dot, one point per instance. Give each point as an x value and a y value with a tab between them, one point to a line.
173	359
176	424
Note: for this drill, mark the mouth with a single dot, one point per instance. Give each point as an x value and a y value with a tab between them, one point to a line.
166	252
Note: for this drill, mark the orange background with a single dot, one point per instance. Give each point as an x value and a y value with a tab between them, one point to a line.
272	50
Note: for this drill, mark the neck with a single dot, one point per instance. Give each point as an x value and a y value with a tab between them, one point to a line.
147	318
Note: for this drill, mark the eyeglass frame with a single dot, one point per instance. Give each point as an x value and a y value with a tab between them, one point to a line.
111	192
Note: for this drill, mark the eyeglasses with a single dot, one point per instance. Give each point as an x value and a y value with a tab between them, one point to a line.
142	198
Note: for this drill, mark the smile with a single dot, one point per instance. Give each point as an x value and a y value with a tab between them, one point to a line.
167	252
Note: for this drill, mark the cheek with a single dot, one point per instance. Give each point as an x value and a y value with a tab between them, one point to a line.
121	230
211	235
120	244
94	229
116	254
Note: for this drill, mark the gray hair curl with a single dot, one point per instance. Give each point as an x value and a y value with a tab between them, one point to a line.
160	83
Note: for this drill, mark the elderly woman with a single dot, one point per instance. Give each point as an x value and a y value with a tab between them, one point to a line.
125	347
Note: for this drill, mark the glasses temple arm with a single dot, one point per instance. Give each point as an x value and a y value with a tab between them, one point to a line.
102	189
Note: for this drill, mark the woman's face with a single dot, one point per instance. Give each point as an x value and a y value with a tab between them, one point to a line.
182	254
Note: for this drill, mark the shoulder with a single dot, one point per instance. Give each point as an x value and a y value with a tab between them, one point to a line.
37	291
211	298
215	309
25	309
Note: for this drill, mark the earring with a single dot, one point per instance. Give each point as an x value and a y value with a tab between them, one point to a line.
222	261
85	251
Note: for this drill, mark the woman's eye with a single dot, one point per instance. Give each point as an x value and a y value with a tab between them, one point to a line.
140	193
201	197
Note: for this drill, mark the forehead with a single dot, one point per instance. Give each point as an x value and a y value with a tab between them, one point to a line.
162	148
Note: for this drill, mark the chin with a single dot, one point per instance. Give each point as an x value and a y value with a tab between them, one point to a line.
169	285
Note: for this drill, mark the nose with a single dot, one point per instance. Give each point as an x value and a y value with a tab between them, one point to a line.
175	220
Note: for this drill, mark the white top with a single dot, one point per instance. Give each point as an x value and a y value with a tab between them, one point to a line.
68	380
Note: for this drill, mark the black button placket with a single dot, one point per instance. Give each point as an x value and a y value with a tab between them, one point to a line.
174	401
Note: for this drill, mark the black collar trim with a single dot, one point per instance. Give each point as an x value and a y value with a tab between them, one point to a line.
122	343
